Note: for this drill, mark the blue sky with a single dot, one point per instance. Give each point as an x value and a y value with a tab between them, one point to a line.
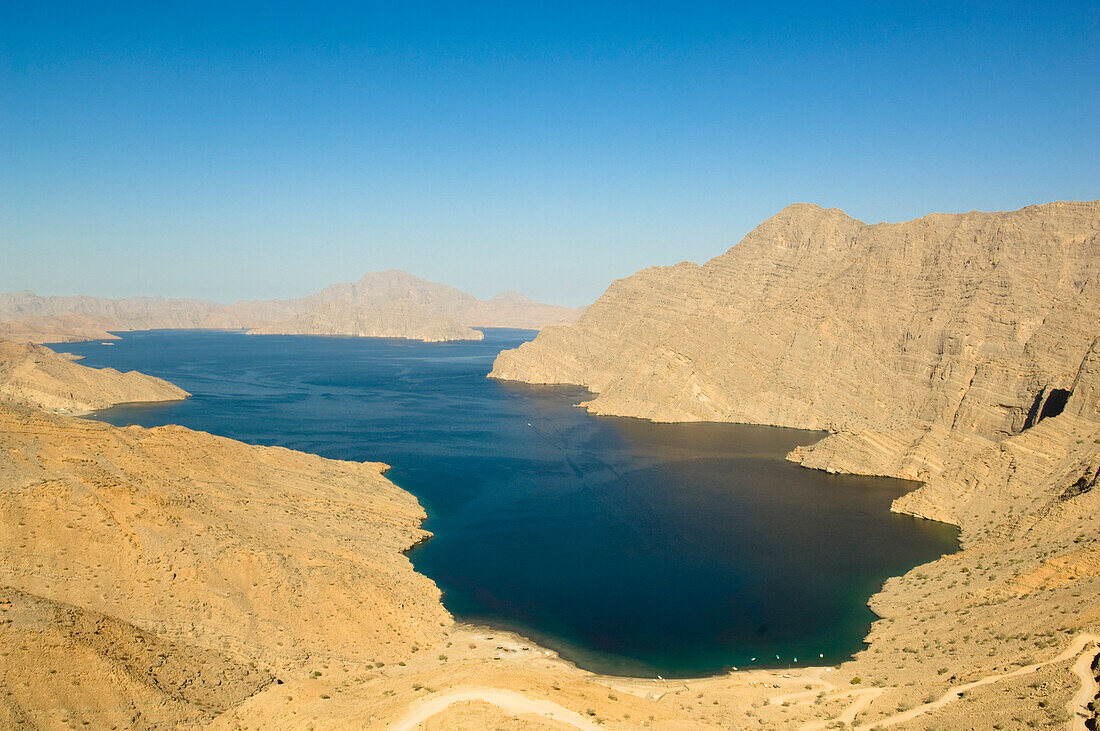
230	150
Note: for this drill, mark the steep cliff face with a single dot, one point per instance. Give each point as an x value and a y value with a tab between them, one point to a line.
817	320
959	350
944	349
36	376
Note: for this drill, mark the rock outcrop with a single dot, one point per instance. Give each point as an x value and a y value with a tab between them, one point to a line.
36	376
169	578
902	338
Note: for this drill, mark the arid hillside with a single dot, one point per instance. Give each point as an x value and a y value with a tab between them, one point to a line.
152	577
36	376
816	320
959	350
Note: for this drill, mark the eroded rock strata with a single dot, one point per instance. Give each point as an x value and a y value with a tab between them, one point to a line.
191	567
959	350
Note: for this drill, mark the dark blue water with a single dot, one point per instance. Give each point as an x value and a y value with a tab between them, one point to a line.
630	547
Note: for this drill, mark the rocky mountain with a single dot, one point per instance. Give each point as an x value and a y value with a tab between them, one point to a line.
819	321
158	577
959	350
36	376
390	299
512	309
912	341
392	302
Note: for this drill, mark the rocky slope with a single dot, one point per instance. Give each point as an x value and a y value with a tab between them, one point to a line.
378	302
60	329
386	300
819	321
169	578
920	344
512	309
193	567
959	350
27	317
35	375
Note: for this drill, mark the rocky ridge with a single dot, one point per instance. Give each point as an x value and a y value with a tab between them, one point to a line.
920	345
816	320
169	578
36	376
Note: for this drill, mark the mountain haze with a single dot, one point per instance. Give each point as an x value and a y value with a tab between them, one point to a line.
392	303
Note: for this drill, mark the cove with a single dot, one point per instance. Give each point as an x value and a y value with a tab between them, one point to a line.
631	548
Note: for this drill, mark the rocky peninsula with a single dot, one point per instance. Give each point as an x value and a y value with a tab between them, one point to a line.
33	375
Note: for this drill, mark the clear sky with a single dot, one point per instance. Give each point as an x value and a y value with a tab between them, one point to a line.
231	150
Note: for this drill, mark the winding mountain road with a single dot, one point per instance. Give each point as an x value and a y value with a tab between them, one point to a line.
507	700
1077	647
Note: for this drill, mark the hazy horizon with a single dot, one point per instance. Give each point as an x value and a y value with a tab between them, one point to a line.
294	295
297	293
227	151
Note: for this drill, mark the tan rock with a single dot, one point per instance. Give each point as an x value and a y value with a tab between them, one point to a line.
266	551
37	376
816	320
962	351
221	555
64	666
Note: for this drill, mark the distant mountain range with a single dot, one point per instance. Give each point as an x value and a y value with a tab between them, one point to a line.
392	303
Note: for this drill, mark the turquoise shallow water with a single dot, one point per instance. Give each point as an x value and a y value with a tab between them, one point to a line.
629	547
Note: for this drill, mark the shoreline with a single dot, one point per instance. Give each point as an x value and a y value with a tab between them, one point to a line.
545	642
895	674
